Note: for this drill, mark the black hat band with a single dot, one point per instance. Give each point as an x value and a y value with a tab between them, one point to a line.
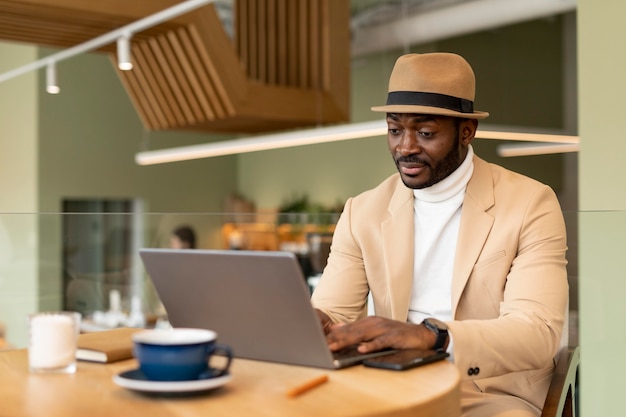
414	98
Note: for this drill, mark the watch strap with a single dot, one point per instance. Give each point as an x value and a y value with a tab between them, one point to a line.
441	333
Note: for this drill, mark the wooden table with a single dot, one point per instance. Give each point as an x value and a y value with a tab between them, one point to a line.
256	389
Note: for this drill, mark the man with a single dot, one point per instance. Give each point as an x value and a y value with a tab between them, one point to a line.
457	253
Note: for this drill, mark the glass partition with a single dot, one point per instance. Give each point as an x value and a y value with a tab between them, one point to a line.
89	262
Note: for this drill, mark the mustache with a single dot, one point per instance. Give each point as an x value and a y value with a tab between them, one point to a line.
412	159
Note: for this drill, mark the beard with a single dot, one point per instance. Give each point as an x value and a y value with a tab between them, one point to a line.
443	169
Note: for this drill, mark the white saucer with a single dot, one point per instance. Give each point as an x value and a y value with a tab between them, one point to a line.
136	380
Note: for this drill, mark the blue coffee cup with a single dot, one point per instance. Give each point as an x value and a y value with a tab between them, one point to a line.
179	354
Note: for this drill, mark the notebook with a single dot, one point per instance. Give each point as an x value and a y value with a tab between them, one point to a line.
258	302
105	347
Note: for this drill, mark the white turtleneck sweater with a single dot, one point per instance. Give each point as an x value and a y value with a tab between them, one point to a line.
437	218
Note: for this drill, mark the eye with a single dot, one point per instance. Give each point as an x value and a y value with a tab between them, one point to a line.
426	134
393	131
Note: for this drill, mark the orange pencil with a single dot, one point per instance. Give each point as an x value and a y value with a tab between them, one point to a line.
300	389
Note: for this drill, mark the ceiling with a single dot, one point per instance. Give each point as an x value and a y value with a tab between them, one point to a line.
189	76
378	25
30	20
364	13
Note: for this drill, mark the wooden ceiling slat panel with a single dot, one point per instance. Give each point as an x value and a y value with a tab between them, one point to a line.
181	89
292	43
188	78
62	32
314	46
63	25
222	63
166	77
287	103
272	46
325	43
253	36
88	13
37	13
336	40
165	101
202	85
143	76
131	10
281	7
262	41
303	44
143	58
130	82
189	74
19	34
241	34
45	33
217	91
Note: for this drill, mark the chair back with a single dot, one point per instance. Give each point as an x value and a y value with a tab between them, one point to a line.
562	398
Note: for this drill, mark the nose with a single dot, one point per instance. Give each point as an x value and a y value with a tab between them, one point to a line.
408	144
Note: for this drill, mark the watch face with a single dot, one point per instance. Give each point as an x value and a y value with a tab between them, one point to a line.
437	323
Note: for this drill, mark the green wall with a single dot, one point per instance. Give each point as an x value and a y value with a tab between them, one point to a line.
18	191
88	137
601	68
18	140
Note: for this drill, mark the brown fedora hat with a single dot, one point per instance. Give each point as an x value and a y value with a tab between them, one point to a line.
434	83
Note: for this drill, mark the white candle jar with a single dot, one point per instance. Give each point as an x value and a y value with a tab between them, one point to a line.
52	341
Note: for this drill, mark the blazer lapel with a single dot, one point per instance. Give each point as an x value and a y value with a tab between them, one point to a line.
398	251
475	226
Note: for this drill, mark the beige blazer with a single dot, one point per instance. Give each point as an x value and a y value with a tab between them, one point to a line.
509	286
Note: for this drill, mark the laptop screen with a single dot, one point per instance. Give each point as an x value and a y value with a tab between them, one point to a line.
257	301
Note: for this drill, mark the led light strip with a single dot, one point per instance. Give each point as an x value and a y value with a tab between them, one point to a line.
310	137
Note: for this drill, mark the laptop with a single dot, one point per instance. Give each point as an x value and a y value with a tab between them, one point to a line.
258	302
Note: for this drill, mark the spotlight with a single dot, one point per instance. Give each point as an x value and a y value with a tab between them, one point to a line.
124	61
51	79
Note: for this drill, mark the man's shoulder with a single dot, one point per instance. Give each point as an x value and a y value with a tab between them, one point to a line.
493	184
505	177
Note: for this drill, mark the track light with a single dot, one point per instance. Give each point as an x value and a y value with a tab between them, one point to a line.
121	35
51	79
124	61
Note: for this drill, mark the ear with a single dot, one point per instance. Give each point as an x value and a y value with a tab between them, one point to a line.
467	130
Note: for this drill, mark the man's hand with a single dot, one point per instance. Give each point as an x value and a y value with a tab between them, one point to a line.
376	333
327	323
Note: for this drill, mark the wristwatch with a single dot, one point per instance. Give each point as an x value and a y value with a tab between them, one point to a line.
440	329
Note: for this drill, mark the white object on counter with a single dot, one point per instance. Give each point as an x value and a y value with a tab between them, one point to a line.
52	341
136	317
